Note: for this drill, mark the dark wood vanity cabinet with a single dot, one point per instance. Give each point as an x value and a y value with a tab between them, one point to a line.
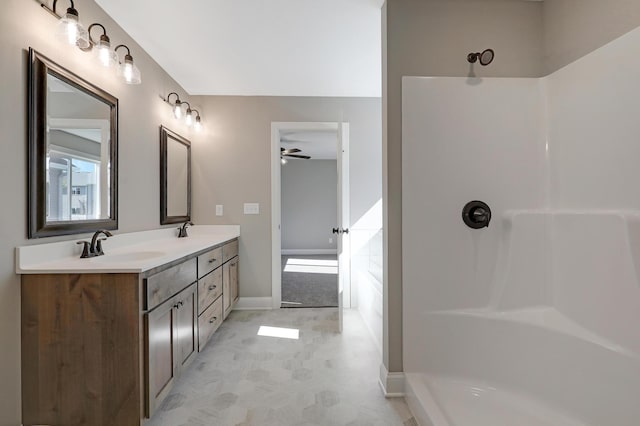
171	331
106	349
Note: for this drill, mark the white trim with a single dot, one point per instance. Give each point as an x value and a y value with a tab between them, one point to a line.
392	384
253	303
307	252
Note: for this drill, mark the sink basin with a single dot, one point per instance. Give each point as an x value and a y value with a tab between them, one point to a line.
135	256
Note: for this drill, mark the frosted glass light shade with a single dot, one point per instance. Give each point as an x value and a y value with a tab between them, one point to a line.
129	72
104	55
70	31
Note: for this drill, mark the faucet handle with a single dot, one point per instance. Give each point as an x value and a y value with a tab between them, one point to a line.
85	249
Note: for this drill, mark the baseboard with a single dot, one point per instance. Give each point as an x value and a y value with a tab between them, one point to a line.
307	252
392	384
253	304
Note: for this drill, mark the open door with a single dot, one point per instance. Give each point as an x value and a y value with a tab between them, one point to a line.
344	250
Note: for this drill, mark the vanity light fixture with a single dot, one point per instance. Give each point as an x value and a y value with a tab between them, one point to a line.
70	31
127	70
102	49
191	115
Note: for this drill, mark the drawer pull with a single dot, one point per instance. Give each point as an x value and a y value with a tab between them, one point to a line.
212	287
212	320
212	260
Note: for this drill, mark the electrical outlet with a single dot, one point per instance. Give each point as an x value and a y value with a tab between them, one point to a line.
251	208
219	210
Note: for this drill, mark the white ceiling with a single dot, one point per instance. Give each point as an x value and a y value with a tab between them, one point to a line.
318	144
260	47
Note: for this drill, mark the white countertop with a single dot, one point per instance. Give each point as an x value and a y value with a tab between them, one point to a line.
133	252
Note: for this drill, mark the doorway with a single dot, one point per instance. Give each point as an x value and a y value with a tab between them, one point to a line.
315	257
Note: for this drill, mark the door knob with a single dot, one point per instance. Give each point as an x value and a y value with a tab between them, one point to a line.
335	230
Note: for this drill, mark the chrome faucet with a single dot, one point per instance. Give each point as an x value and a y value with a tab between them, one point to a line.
182	231
94	248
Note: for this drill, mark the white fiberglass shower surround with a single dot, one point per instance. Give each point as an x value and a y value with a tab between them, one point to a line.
534	320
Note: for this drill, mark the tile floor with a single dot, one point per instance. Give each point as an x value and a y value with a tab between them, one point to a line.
323	378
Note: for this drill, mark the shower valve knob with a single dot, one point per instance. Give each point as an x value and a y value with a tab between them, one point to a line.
476	214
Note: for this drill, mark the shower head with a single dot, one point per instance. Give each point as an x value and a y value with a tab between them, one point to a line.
485	57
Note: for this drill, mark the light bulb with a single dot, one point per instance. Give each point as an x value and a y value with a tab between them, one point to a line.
198	125
128	72
177	110
188	118
72	32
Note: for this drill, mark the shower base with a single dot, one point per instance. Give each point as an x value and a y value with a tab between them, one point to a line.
447	401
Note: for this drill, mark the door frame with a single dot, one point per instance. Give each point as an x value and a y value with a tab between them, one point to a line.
276	207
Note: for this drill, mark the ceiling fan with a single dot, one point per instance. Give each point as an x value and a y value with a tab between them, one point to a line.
291	152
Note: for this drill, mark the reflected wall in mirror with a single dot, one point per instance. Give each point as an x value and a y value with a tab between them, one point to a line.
175	177
73	132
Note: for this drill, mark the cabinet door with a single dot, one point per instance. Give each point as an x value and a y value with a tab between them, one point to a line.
160	330
226	290
233	280
186	308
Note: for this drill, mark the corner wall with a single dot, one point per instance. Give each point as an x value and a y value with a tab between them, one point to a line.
573	28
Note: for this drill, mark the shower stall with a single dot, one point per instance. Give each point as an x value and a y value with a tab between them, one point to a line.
535	319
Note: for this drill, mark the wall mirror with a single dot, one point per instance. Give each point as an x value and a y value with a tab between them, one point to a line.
175	177
73	145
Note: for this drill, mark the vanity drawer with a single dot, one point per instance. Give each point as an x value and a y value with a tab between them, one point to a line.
209	289
163	285
229	250
209	261
209	322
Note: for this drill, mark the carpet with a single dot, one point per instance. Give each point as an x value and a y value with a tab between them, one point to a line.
309	281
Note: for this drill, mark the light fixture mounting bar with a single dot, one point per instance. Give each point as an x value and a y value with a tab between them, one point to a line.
45	5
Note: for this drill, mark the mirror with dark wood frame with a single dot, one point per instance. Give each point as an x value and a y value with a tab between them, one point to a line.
175	177
73	152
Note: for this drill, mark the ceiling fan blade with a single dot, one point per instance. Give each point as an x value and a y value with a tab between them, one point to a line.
289	151
304	157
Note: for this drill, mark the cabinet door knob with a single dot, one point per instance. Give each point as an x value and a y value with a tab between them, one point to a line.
212	320
212	287
212	260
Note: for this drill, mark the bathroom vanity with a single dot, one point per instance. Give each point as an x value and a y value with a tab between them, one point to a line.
104	339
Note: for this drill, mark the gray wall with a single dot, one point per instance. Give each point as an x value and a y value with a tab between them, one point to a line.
234	167
573	28
432	38
24	23
309	204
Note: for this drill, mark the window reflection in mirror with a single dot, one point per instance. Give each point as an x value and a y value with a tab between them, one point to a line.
77	148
